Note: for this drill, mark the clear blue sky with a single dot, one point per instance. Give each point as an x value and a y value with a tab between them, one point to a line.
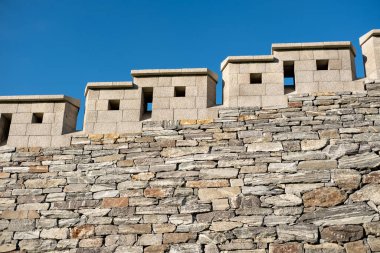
57	46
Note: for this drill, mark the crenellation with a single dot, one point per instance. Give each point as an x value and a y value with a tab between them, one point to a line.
266	81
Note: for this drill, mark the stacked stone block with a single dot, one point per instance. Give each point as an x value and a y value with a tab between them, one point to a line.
241	90
370	44
339	73
40	121
198	88
301	179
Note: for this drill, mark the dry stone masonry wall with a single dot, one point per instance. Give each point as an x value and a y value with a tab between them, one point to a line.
300	179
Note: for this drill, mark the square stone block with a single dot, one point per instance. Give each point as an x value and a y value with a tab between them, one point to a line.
129	127
162	114
162	92
251	89
39	141
61	141
111	94
201	102
102	105
273	78
346	75
18	141
182	103
275	67
130	104
181	114
244	78
326	75
306	55
247	68
93	94
43	107
192	91
305	65
131	115
8	108
335	64
209	113
146	81
330	86
24	108
90	105
38	129
22	118
275	101
304	76
287	55
274	89
165	81
353	86
110	116
306	87
91	116
132	94
184	81
161	103
249	101
326	54
17	129
104	128
201	80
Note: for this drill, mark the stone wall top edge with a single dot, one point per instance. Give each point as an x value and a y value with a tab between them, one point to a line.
174	72
246	59
39	99
368	35
314	45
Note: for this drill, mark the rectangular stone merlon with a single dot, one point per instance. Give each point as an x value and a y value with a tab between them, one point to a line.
107	85
174	72
246	59
313	45
40	99
370	44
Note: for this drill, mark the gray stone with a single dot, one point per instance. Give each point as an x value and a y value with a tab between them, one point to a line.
298	232
283	200
357	213
359	161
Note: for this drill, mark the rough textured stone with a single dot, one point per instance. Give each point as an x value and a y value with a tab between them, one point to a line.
298	232
368	192
342	233
323	197
283	200
286	248
361	161
217	193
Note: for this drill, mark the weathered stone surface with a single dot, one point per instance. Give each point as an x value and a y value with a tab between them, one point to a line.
185	248
368	192
83	231
357	213
360	161
346	179
372	228
135	229
324	247
313	144
372	178
342	233
265	147
217	193
224	225
324	197
298	232
183	151
218	173
374	243
337	151
356	247
282	167
318	165
44	183
54	233
283	200
286	248
299	177
115	202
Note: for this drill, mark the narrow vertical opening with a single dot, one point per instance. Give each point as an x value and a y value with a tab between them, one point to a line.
113	105
180	91
289	77
5	125
322	64
255	78
147	103
37	118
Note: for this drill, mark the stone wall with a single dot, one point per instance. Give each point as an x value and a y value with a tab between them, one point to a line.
300	179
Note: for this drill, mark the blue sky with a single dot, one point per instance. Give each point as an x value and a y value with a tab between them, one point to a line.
56	47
